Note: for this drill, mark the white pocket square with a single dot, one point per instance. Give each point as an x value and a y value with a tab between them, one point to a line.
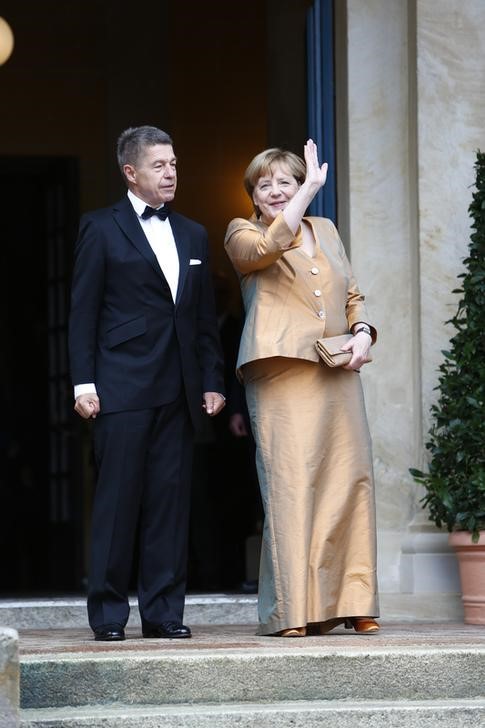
195	261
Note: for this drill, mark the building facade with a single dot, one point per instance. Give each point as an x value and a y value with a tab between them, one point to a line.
414	116
406	100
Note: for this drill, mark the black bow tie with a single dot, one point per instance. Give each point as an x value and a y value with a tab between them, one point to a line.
162	212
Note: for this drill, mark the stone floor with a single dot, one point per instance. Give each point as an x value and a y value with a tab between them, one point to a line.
242	637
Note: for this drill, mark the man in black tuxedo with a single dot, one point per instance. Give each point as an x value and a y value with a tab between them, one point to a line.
147	366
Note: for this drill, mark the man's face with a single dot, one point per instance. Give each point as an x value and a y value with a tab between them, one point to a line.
154	177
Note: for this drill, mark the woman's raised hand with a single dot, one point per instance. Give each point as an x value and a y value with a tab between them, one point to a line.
314	181
316	174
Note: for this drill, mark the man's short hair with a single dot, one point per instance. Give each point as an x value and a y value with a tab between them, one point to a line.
133	141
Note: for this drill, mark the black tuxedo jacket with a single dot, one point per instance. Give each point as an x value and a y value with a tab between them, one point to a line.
125	332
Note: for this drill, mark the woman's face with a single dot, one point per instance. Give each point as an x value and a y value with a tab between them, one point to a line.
273	191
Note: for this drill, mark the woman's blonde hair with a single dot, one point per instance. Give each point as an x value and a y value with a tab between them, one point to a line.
261	165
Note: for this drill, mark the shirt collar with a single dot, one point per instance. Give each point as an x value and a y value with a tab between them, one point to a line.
138	204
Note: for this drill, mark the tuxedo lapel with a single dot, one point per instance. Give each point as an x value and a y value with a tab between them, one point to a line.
127	220
183	249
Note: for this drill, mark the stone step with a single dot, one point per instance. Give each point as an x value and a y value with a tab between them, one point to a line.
70	613
419	675
185	675
310	714
202	609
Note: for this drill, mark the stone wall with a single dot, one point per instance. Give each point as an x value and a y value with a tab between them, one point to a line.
416	111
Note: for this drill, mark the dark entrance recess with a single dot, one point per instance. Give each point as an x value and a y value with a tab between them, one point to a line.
41	534
227	82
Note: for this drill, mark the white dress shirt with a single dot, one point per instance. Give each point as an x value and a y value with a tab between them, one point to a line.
160	237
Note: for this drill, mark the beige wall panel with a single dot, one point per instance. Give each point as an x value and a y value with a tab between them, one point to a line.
451	126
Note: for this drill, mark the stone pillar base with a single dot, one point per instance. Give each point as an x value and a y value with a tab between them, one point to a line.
397	607
428	565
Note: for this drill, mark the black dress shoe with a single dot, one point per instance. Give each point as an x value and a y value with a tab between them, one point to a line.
109	633
250	586
170	630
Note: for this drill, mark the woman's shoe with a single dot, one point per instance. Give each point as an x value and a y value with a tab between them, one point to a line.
293	632
329	624
362	625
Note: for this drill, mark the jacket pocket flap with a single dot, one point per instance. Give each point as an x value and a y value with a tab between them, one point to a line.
126	331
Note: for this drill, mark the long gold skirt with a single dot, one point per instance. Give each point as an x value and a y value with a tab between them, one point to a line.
314	462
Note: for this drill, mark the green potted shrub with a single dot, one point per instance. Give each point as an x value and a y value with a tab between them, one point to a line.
455	482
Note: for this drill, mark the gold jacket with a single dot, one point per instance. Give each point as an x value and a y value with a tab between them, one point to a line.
290	298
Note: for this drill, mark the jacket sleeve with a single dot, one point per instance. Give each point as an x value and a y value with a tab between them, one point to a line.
251	249
86	298
208	345
355	309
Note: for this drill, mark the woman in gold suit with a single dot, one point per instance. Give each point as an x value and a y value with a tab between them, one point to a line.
318	559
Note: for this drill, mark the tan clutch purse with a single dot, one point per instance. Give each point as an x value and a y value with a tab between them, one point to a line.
329	350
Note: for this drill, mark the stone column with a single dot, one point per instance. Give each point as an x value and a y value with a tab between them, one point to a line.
9	678
383	250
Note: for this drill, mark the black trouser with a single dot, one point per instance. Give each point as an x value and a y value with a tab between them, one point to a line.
144	467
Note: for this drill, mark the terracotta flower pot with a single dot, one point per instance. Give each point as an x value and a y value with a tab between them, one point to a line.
471	562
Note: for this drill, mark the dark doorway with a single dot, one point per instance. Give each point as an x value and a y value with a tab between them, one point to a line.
227	82
41	535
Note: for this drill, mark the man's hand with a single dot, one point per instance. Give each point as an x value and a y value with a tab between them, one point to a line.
213	402
237	426
87	405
